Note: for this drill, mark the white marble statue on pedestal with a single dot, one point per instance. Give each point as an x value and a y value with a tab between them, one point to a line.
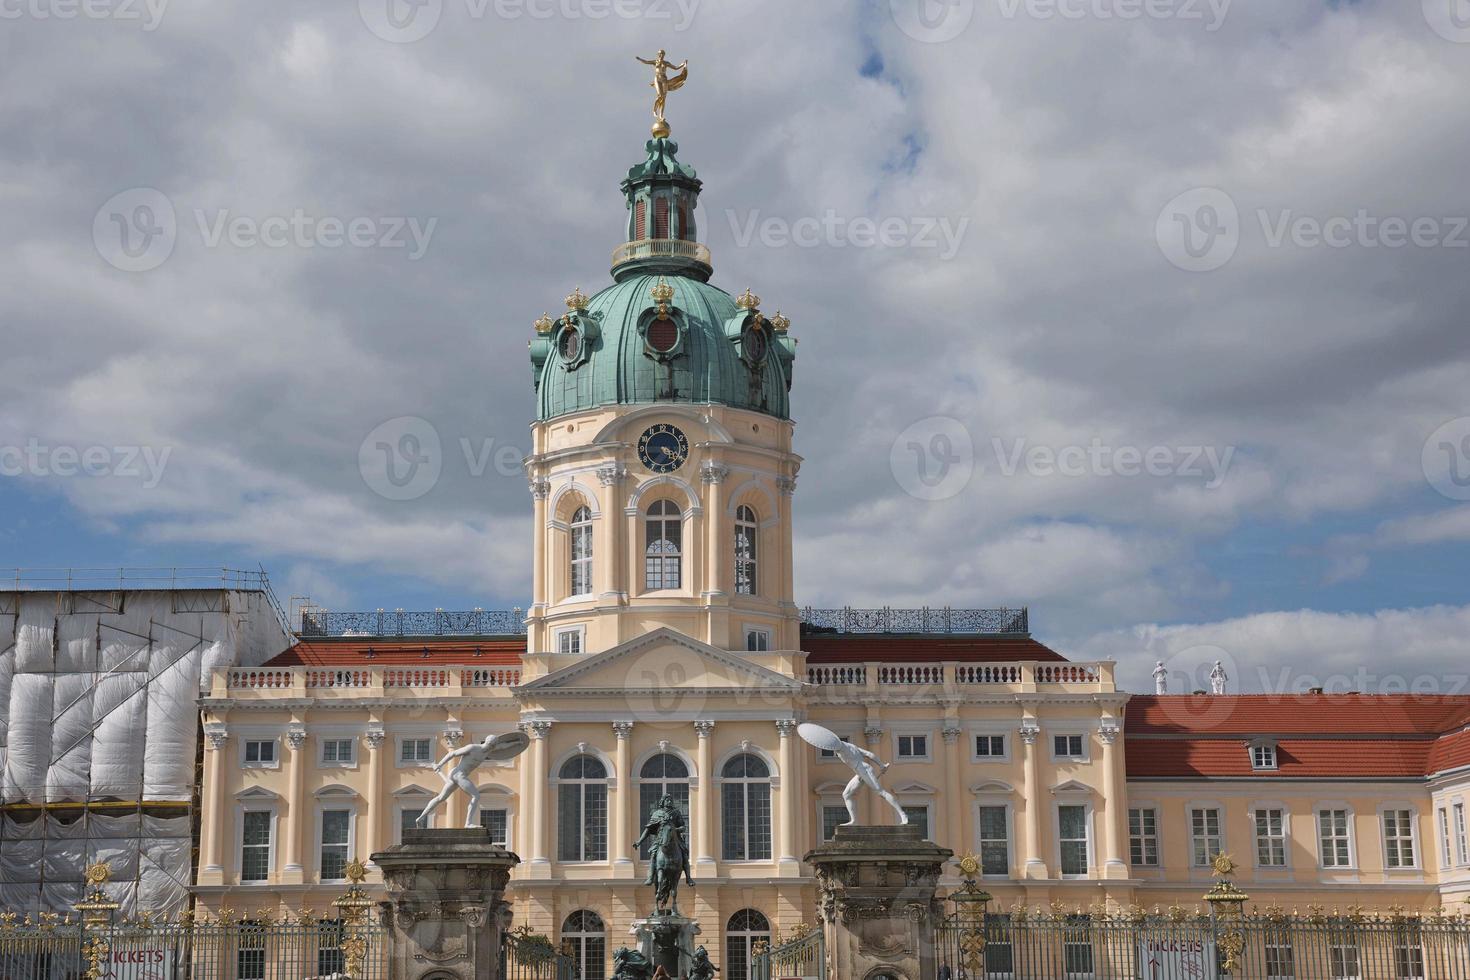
1218	678
1161	678
494	748
860	761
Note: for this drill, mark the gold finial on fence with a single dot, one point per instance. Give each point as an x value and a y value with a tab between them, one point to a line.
1227	905
95	906
96	952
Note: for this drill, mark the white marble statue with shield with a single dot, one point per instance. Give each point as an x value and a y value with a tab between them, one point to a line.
866	768
492	749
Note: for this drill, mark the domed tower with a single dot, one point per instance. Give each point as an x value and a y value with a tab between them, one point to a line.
662	469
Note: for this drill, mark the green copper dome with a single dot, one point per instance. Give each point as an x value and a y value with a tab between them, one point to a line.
661	332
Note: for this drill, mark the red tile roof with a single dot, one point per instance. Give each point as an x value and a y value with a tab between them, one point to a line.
839	648
1320	736
341	651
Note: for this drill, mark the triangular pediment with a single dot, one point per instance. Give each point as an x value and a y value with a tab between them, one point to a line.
656	663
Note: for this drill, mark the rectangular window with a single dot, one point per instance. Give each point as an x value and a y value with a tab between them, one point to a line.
660	217
582	557
913	746
337	751
330	960
995	845
497	821
757	641
1332	835
1263	757
1444	837
250	956
747	812
583	817
416	751
1204	833
1072	822
990	746
407	818
1143	837
255	846
918	817
1067	746
1398	838
569	641
832	817
260	752
1408	962
1077	948
1461	856
1343	962
1270	838
335	828
1280	963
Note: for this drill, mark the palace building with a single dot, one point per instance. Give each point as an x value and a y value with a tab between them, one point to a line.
664	651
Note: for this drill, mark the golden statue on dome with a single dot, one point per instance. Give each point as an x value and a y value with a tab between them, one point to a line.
662	85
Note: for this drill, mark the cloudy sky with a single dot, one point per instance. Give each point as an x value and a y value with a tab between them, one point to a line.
1150	316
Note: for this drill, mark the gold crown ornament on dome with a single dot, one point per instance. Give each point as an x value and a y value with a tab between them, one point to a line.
747	300
662	294
544	323
780	323
576	299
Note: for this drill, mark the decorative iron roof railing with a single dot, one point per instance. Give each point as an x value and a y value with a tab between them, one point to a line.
316	621
923	620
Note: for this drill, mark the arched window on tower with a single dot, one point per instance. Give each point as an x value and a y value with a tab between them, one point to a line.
640	224
664	535
746	803
660	217
663	774
745	928
581	809
585	932
747	528
581	557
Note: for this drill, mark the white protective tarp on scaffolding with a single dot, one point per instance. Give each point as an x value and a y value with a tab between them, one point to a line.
99	733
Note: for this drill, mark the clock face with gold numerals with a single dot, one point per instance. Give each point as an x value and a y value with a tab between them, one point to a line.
663	448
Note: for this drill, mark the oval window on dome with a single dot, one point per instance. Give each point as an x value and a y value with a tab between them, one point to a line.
754	346
570	344
663	335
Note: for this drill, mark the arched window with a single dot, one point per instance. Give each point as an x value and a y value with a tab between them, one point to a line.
581	806
746	529
664	773
665	537
582	551
588	938
745	928
639	225
660	217
746	794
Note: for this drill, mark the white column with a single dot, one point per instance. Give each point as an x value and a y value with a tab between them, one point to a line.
705	800
623	820
1035	863
1115	805
379	812
537	811
212	821
955	837
790	792
294	871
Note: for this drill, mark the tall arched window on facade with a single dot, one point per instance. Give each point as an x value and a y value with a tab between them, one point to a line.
746	797
746	529
664	773
586	934
581	807
742	932
665	530
581	551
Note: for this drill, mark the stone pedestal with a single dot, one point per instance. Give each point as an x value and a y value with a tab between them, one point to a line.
444	908
668	941
876	901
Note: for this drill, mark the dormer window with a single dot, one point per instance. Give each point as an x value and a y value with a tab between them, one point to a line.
1263	756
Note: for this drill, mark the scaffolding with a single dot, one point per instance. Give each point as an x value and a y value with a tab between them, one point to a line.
100	733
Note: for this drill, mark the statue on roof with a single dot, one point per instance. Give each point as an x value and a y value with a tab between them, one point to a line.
1218	677
662	85
1161	678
